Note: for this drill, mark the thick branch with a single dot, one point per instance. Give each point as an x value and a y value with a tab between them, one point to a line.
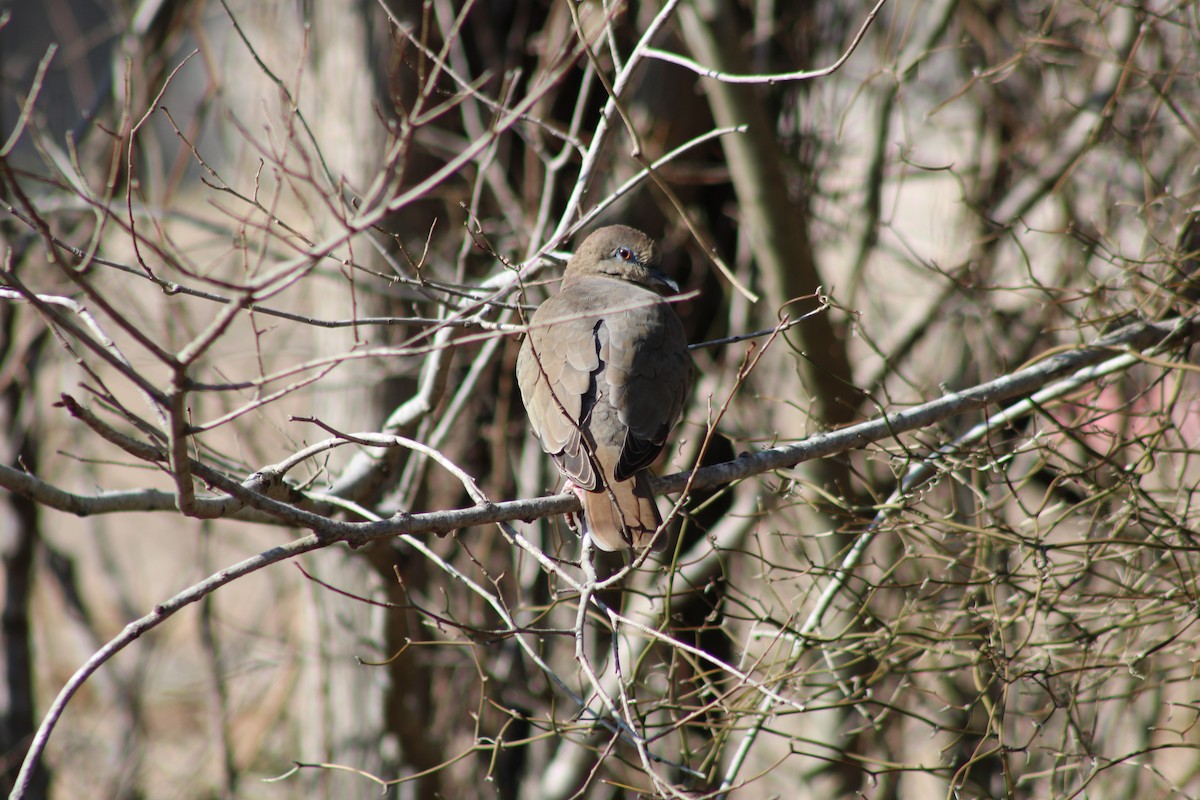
1153	336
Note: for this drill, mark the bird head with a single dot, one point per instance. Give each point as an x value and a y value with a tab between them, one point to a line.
620	252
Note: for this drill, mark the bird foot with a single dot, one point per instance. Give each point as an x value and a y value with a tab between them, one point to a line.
575	519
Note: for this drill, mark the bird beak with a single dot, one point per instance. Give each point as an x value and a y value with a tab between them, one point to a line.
661	277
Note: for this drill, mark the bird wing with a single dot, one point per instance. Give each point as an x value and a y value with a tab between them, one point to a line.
556	372
647	374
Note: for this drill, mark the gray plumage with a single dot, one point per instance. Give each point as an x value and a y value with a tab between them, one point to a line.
604	371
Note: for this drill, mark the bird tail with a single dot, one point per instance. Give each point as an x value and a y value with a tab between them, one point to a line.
624	515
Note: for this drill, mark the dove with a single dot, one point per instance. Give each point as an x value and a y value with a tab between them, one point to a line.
604	371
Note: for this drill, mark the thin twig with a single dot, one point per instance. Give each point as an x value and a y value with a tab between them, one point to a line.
781	77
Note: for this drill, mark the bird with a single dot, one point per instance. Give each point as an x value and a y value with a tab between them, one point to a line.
604	371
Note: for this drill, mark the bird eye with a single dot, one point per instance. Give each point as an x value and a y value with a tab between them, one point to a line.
624	253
